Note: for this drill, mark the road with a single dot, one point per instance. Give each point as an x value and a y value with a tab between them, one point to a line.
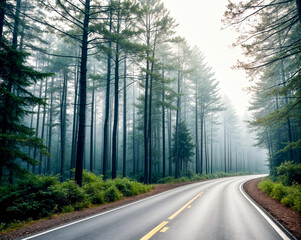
215	209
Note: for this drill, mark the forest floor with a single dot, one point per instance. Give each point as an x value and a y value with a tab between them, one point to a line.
289	218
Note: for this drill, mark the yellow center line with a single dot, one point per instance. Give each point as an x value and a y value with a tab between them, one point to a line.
154	231
164	229
182	208
189	206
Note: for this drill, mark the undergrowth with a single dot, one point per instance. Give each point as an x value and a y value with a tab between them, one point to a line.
37	196
286	188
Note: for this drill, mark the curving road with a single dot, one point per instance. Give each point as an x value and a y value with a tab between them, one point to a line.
215	209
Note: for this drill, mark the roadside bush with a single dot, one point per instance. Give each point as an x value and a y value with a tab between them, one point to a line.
67	209
169	179
124	186
289	173
38	196
112	194
32	197
288	195
279	191
266	185
89	177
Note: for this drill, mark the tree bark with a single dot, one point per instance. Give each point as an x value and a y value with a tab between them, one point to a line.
116	106
82	98
202	142
92	130
16	24
178	114
63	122
163	127
75	123
134	133
298	4
50	127
43	125
107	108
124	120
197	150
2	14
169	145
37	128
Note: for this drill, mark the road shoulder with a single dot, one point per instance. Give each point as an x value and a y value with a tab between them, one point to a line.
286	216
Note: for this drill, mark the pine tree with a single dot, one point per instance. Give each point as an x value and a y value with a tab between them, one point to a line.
16	75
182	145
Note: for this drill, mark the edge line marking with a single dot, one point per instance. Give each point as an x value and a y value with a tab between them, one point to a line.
267	218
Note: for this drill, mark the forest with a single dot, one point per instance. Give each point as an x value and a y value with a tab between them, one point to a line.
99	99
109	86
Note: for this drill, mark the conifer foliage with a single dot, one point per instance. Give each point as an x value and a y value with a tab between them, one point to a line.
15	102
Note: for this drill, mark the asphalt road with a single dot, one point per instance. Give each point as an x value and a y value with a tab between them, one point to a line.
215	209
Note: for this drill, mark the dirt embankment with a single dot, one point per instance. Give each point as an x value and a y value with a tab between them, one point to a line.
286	216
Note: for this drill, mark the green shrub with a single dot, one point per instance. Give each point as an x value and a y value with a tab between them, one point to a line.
67	209
31	197
75	194
289	173
279	191
288	195
124	186
81	205
89	177
183	179
98	197
266	185
112	194
38	196
169	179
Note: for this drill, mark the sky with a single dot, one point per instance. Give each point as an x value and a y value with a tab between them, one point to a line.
200	23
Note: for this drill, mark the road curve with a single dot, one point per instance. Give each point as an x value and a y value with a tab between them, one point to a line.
214	209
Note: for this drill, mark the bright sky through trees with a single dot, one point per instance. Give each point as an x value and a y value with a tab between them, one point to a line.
200	23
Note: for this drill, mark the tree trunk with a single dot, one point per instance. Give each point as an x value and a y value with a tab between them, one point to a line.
134	133
75	123
169	145
16	24
92	130
178	114
50	128
150	124
205	145
124	121
197	150
202	142
83	98
211	148
116	108
43	125
163	127
298	3
107	109
31	123
63	122
225	148
37	128
2	14
145	128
